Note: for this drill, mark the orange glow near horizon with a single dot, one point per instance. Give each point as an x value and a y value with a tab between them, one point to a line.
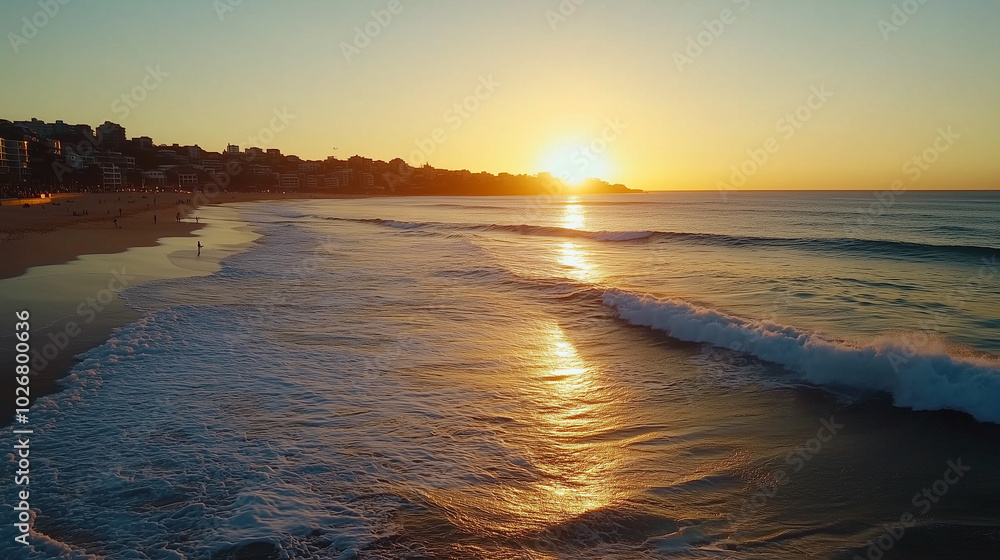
599	95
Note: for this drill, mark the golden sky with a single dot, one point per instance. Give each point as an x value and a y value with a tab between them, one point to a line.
804	94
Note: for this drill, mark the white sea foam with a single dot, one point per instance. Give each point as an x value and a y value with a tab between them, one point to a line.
927	379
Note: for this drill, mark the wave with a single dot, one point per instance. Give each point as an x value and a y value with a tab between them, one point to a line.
924	378
881	248
522	229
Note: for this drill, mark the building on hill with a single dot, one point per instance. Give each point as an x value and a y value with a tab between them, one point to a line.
358	163
14	161
111	136
343	177
212	164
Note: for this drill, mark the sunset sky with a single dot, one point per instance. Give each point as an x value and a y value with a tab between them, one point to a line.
672	116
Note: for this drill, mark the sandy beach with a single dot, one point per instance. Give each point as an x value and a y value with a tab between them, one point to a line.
84	224
54	261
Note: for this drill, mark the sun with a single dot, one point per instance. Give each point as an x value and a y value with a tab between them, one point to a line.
575	162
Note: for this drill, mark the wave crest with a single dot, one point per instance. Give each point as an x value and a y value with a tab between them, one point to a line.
928	380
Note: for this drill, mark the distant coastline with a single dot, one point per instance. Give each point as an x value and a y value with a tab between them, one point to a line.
59	157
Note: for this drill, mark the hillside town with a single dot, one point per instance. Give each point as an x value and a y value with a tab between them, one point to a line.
38	157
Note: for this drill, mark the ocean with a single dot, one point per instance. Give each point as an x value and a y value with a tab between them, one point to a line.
660	375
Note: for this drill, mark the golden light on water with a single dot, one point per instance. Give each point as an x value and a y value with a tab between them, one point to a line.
572	255
566	458
567	443
574	216
575	259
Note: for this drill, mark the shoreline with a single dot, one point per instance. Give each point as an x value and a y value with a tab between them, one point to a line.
73	298
50	255
47	234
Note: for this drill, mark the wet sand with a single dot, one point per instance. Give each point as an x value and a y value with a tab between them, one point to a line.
45	234
67	273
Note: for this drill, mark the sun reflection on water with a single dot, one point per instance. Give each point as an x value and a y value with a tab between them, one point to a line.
575	412
575	259
568	439
574	215
566	457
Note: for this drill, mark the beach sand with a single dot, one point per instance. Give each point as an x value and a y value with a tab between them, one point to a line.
53	263
44	234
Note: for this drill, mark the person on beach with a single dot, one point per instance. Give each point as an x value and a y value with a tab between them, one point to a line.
116	223
178	217
154	219
119	212
199	248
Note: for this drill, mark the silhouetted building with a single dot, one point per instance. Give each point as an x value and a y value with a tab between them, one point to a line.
111	136
14	161
212	164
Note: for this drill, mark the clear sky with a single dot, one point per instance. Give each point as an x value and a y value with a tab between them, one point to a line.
626	77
